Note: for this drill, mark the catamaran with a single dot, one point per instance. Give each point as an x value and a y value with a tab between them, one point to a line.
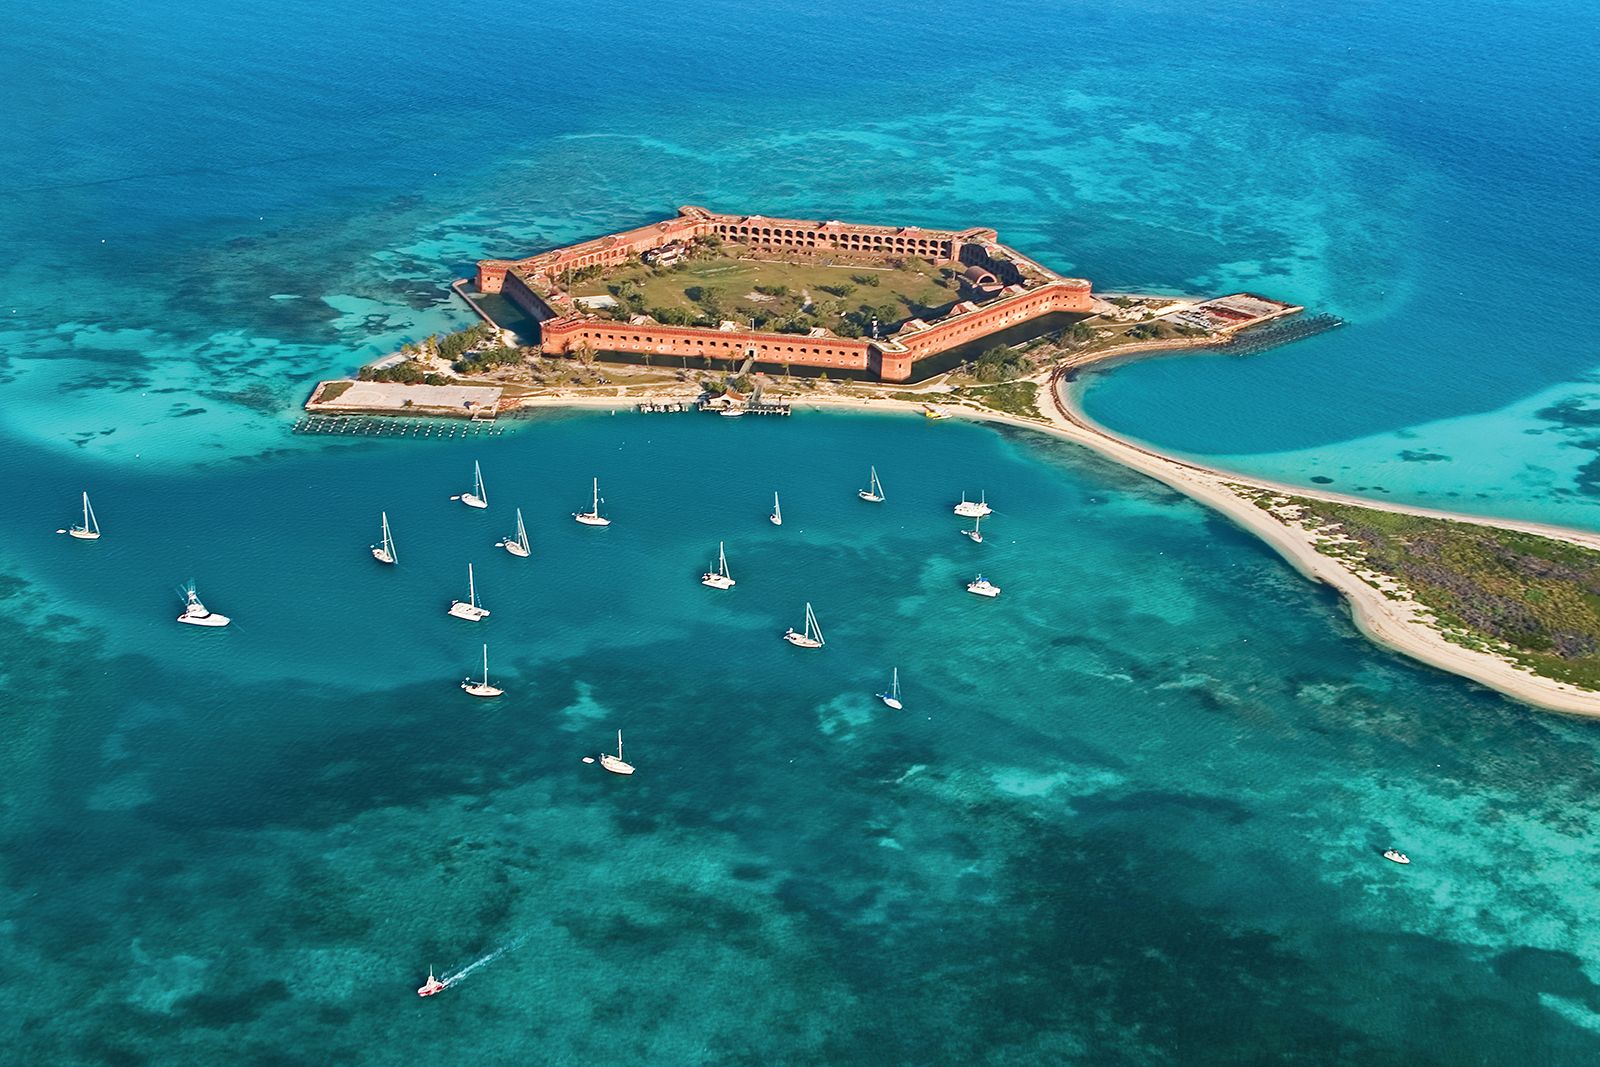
469	608
983	587
873	493
972	509
195	613
976	533
812	638
431	986
518	545
90	530
592	517
892	697
616	764
384	553
483	688
777	512
719	578
479	497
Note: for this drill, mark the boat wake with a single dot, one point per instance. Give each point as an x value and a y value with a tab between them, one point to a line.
482	961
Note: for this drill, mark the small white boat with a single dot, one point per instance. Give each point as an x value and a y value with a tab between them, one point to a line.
983	587
1394	855
616	764
90	528
776	517
972	509
195	613
873	493
719	578
592	517
483	688
469	609
976	533
811	638
518	545
731	412
384	552
479	497
892	697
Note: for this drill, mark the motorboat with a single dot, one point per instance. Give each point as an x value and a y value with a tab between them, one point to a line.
616	764
983	587
592	517
469	609
1394	855
431	986
195	613
811	637
719	578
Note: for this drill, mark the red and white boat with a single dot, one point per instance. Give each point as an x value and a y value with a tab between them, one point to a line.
431	986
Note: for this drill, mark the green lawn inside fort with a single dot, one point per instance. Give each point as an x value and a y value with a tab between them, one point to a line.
791	297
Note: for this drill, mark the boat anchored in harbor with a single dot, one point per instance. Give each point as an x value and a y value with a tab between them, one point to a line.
518	545
811	638
973	509
89	529
616	764
195	613
776	518
873	493
483	688
592	517
469	609
479	497
719	578
892	697
1394	855
976	533
384	552
983	587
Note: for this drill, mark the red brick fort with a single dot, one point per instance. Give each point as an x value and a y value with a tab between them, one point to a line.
1006	289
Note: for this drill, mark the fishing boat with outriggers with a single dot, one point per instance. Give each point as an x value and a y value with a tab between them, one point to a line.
811	637
195	613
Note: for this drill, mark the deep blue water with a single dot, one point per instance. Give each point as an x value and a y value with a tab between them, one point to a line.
1132	811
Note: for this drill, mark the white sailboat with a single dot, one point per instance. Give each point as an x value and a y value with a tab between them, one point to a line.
90	530
592	517
983	587
873	493
777	512
616	764
483	688
469	609
384	553
811	638
972	509
976	533
479	497
892	697
517	546
719	578
195	613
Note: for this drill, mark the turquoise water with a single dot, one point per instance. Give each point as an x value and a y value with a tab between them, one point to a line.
1133	809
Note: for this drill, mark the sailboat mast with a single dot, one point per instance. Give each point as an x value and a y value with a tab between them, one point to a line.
619	744
595	506
472	588
485	664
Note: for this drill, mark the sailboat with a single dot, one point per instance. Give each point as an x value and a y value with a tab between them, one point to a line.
983	587
479	497
976	533
483	688
469	608
971	509
892	697
616	764
812	638
777	512
195	613
873	493
517	546
592	517
90	530
719	578
384	553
